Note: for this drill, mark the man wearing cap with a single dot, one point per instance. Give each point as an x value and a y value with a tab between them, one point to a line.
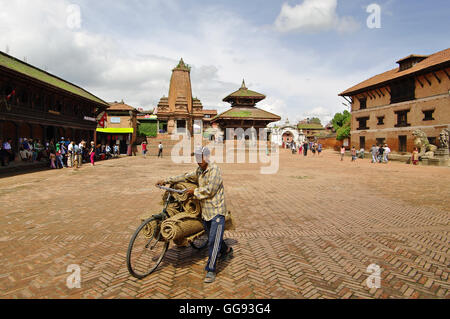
211	194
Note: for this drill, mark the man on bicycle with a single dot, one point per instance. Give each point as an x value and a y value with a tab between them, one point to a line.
211	194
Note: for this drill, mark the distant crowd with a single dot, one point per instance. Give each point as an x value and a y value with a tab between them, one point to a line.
62	154
380	153
304	148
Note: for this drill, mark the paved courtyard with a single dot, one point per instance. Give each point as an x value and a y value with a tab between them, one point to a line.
309	231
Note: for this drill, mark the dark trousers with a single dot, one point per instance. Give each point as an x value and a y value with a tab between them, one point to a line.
215	228
2	157
160	153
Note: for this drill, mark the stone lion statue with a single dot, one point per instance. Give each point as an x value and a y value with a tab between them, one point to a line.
421	142
444	139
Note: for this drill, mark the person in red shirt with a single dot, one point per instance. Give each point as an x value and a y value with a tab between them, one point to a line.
144	149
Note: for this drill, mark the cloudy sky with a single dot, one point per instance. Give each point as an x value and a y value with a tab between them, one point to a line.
299	53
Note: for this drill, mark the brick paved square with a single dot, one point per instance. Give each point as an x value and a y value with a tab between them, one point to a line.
309	231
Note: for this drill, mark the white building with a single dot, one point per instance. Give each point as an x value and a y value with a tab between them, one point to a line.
287	133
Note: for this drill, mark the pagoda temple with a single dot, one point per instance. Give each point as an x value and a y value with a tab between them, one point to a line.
179	111
244	113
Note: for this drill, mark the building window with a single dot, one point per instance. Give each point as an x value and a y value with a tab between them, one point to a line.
381	141
402	118
207	116
402	143
404	90
380	120
362	123
362	142
428	115
363	103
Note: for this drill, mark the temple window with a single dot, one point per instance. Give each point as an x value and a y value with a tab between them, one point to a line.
380	120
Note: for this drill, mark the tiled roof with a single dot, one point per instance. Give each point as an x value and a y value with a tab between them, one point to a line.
116	106
210	112
250	113
244	92
429	62
311	126
28	70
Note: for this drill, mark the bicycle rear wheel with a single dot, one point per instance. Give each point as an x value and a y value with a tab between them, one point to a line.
146	250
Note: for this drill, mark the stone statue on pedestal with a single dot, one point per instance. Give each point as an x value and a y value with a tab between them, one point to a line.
444	139
421	142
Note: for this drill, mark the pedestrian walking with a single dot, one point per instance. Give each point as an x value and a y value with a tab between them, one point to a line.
354	155
160	150
342	153
380	153
92	153
415	156
374	152
386	153
144	149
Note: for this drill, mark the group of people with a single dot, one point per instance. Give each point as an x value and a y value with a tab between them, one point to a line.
144	146
68	154
380	154
29	151
303	148
62	154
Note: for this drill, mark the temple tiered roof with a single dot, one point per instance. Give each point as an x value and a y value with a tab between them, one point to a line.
246	93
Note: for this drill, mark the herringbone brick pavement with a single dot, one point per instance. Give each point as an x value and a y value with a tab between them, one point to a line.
309	231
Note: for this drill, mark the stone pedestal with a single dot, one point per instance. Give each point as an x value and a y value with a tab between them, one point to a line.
442	153
441	158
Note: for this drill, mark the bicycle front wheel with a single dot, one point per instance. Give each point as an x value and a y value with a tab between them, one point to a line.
146	249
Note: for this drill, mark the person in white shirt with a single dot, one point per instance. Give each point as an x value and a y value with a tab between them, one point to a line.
8	151
160	153
387	150
71	154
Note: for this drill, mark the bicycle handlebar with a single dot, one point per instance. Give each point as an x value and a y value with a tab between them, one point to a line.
182	191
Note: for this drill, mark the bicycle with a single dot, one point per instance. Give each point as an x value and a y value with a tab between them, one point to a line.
147	248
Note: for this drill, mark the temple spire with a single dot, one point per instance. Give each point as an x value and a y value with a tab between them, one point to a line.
243	85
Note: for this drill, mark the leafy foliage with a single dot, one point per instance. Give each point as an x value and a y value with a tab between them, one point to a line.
342	123
148	129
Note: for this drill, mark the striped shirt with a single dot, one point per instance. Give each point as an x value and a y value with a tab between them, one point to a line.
210	190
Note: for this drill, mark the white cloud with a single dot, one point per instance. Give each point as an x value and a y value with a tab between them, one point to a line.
324	114
313	16
115	66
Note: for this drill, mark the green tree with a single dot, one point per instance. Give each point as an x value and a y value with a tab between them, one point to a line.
148	129
341	124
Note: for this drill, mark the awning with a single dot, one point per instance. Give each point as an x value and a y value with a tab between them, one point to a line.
116	130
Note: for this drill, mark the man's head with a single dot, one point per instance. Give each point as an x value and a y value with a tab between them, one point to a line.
202	155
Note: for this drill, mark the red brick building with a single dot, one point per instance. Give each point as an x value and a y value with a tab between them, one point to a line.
388	107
